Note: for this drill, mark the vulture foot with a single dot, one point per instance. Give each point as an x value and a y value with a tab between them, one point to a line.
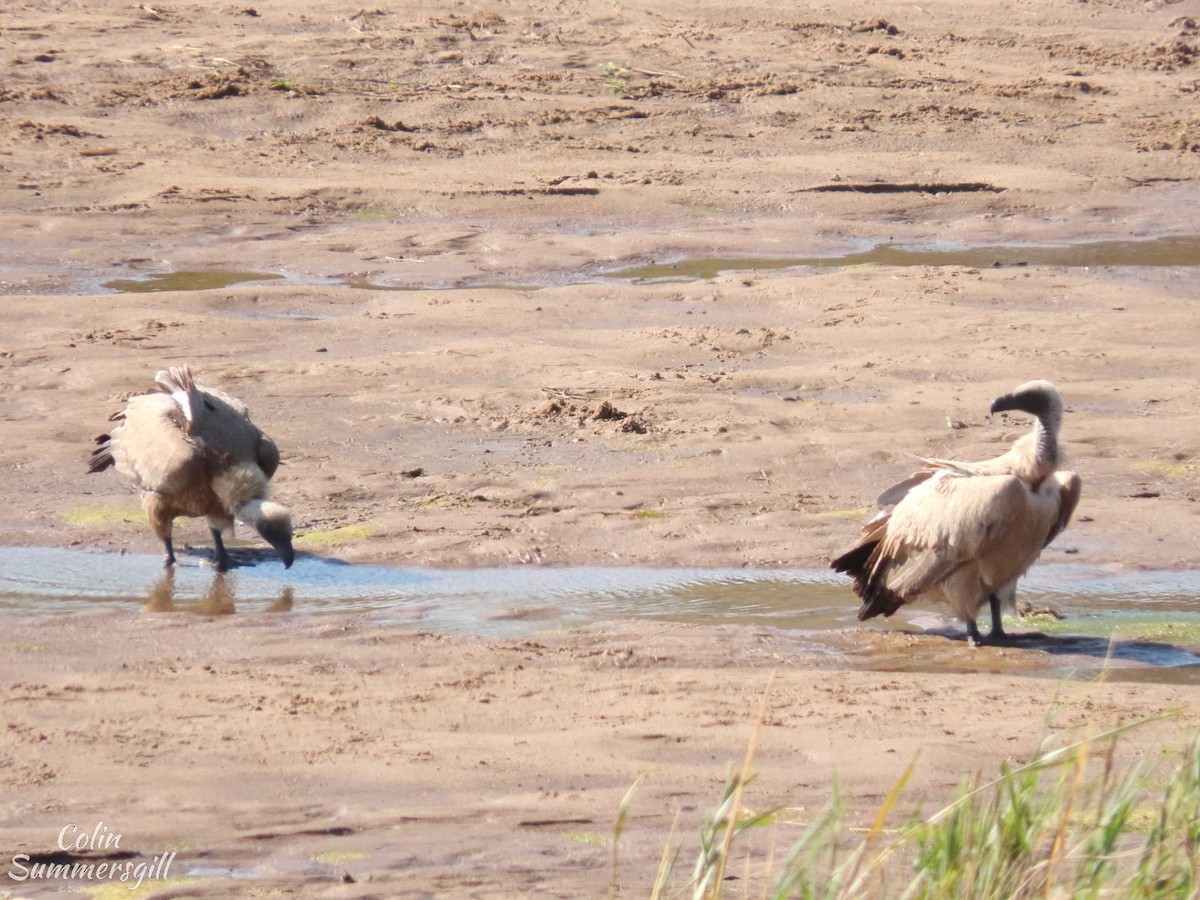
996	634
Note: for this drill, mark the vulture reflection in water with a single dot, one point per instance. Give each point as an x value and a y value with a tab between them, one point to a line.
963	533
219	599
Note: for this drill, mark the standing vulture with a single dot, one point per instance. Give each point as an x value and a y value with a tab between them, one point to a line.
193	451
963	533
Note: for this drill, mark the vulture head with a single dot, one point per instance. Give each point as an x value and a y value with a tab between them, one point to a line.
274	522
1038	398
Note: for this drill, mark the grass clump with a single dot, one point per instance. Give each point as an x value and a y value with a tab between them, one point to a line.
615	78
1069	823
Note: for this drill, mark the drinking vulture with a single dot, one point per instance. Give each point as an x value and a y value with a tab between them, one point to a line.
962	533
193	451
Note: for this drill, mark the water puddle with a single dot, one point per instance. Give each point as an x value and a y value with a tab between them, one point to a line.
493	602
215	279
199	280
1179	250
1142	623
363	283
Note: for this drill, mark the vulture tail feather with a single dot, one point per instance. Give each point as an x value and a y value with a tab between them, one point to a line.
176	378
878	600
872	586
862	563
177	381
854	562
102	456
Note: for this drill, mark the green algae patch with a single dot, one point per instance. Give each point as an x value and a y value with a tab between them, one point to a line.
1165	469
25	647
126	890
329	538
590	838
371	215
334	857
89	516
186	281
1168	628
438	500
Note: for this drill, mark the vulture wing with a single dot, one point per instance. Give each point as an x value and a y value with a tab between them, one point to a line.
1069	489
991	523
268	456
219	422
952	520
900	489
152	446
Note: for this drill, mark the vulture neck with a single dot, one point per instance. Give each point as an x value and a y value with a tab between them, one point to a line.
252	513
238	486
1045	443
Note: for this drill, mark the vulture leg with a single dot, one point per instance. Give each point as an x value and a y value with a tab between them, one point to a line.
973	637
997	633
222	561
161	523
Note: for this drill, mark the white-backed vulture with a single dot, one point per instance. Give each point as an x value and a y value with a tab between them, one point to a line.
963	533
193	451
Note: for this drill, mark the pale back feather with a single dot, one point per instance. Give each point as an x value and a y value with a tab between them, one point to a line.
152	446
240	459
993	524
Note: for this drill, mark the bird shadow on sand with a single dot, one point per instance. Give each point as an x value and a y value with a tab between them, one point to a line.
239	557
1133	652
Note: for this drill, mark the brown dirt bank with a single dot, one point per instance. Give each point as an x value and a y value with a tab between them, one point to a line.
289	752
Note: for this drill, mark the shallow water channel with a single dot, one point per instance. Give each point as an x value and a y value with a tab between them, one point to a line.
1176	250
1170	250
1152	618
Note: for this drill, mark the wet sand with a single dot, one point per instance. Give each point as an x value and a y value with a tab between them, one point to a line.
751	418
295	750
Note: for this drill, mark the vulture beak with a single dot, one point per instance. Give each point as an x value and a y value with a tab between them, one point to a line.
1035	402
286	553
1003	404
279	536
